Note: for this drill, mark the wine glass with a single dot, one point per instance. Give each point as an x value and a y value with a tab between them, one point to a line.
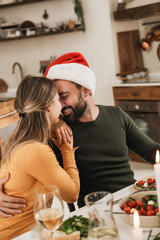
48	207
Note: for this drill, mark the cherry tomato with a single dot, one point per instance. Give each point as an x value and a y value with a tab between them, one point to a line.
150	207
150	213
150	181
138	202
139	213
143	211
141	182
127	209
123	206
131	204
156	210
146	197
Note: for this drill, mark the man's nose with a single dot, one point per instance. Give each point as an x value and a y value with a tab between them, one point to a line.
62	103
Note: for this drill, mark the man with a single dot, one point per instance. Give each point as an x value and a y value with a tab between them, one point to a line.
103	133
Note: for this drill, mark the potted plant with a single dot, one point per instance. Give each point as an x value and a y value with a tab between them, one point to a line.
79	12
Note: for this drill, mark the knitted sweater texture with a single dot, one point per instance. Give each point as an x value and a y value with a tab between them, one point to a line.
102	157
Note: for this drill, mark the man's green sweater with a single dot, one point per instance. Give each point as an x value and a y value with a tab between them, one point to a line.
102	156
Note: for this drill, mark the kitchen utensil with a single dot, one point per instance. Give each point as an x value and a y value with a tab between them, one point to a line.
145	45
129	51
149	37
27	25
156	33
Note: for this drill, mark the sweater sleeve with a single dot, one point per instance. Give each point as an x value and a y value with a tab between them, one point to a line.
42	164
137	140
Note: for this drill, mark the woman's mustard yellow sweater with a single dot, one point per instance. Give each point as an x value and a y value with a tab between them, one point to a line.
32	165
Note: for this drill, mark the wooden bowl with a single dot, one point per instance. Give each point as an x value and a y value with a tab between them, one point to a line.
27	25
145	221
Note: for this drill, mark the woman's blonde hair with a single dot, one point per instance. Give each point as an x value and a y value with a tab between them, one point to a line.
33	96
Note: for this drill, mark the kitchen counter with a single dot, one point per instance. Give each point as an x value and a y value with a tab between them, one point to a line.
151	80
11	93
138	84
8	115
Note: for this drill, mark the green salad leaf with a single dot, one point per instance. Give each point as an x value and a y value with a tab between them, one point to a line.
75	223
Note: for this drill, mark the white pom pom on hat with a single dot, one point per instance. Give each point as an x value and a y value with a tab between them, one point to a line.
72	67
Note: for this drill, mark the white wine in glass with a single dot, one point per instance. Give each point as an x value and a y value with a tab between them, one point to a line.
48	207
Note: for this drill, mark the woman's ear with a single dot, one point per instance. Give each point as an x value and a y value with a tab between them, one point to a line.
86	92
49	108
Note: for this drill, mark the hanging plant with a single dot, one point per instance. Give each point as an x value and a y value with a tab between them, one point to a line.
79	12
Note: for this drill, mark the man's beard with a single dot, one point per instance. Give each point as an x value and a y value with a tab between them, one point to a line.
77	111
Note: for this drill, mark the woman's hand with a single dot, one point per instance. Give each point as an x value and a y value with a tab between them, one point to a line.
9	205
61	133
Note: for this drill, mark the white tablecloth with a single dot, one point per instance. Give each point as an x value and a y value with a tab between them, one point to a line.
125	230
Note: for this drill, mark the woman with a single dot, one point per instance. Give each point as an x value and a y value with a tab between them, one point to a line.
27	157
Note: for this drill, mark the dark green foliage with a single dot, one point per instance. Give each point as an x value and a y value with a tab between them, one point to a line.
79	12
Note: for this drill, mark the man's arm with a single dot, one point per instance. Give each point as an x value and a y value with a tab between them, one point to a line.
9	205
138	141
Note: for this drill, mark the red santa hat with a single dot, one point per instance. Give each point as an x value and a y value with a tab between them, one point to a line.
72	67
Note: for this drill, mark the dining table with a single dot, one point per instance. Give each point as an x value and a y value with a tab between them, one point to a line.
124	229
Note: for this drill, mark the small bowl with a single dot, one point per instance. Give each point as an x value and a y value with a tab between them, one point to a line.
145	221
145	179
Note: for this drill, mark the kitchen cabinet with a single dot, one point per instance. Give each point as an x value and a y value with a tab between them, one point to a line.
137	12
8	33
146	93
142	104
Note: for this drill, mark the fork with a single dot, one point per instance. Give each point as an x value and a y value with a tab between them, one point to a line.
141	190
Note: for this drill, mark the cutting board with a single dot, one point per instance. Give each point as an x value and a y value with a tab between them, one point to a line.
130	54
4	99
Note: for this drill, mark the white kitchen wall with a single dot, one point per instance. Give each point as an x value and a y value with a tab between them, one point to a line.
95	44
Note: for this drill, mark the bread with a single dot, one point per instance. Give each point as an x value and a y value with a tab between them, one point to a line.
63	236
3	86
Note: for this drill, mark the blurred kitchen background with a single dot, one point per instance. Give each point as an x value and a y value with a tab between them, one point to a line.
33	33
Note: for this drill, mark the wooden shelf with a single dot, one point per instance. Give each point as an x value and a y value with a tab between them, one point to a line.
18	3
137	12
41	34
